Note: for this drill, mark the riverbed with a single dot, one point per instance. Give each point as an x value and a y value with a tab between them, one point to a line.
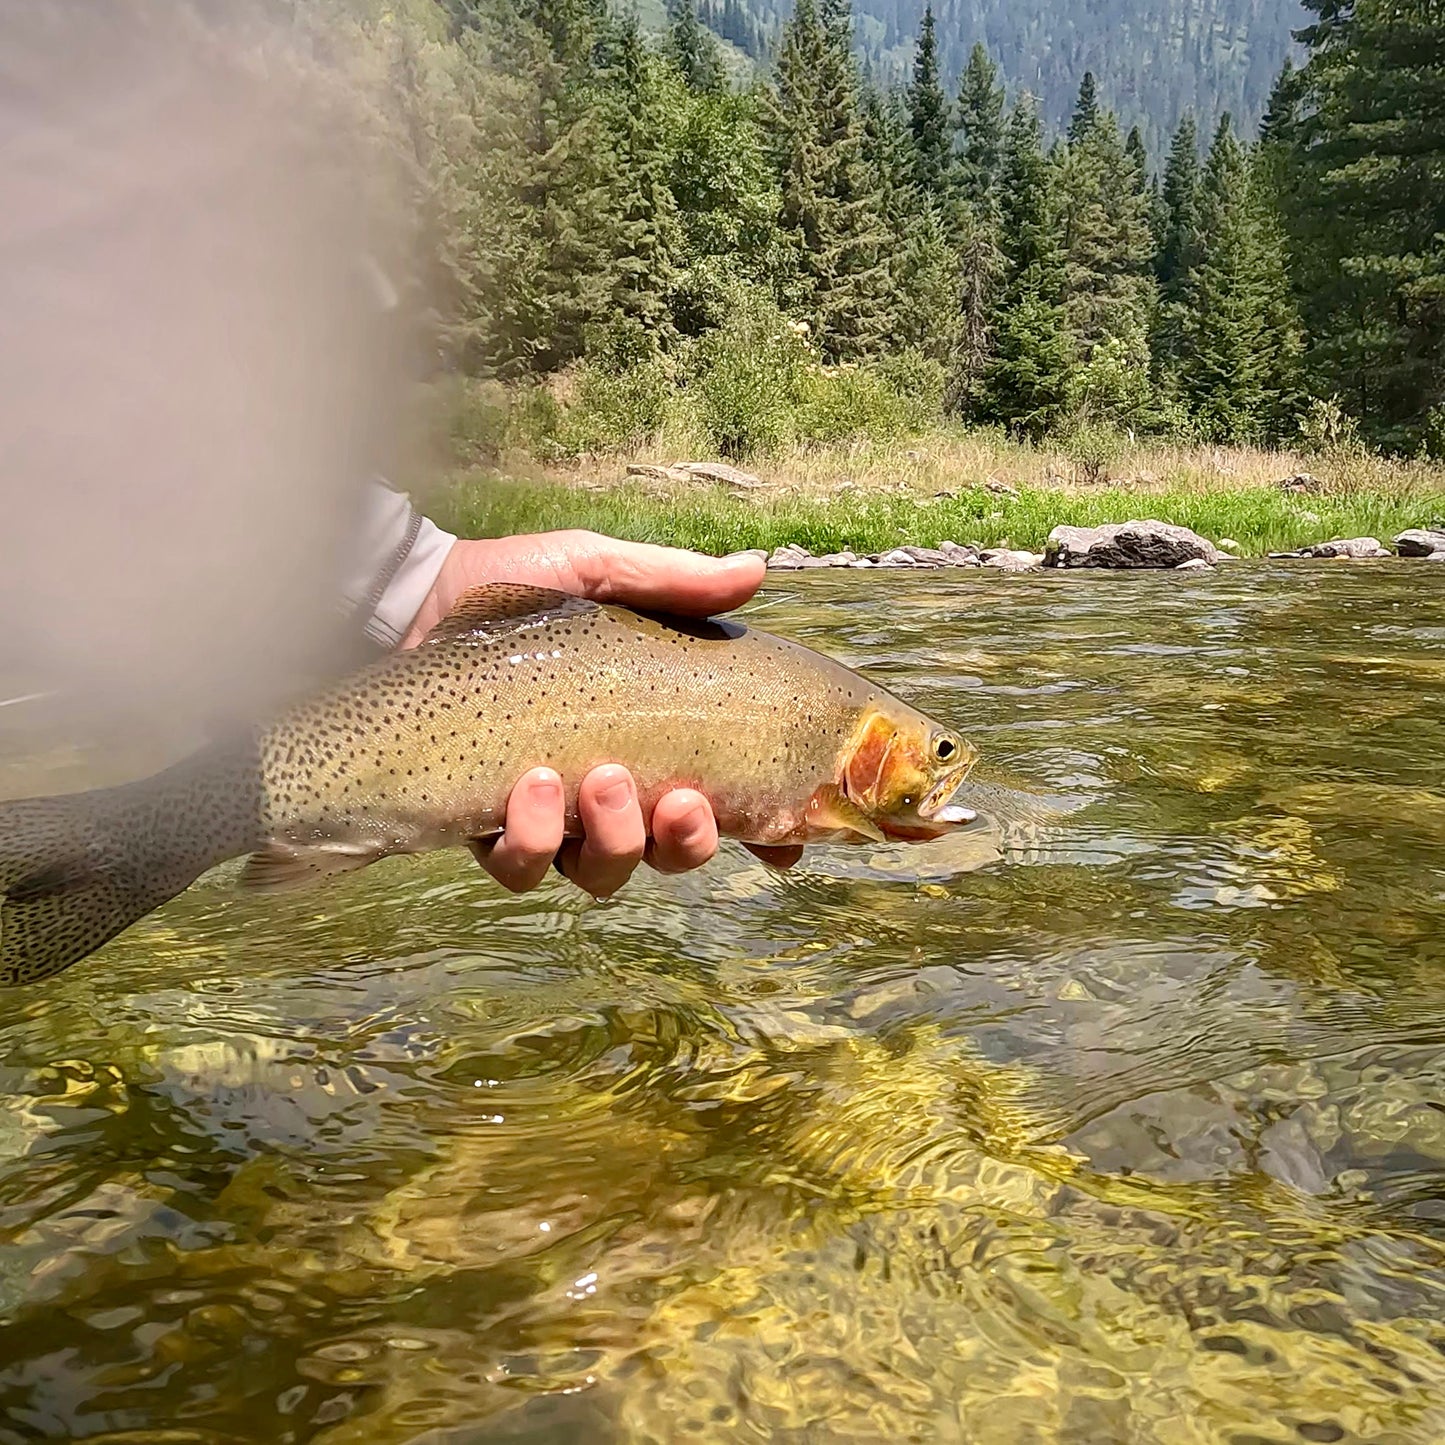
1117	1118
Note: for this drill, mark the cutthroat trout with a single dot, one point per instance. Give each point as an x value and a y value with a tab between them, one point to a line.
421	749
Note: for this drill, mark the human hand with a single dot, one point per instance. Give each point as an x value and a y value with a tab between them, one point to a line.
682	832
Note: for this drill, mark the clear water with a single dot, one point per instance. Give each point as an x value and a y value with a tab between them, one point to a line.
1123	1126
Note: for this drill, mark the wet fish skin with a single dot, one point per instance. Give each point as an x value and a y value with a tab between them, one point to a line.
421	750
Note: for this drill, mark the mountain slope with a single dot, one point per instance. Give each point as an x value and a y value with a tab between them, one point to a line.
1153	59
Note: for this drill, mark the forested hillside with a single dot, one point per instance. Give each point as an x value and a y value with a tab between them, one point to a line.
815	257
1155	59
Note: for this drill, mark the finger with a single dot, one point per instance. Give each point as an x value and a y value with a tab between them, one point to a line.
684	832
781	858
614	834
536	816
639	574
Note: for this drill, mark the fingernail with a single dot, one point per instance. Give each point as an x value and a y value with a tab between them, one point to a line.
546	789
616	796
692	826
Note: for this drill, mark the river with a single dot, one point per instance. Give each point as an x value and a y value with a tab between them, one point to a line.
1117	1120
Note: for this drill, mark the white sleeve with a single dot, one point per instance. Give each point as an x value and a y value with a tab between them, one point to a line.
397	560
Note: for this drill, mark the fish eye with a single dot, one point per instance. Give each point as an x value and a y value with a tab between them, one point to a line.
944	748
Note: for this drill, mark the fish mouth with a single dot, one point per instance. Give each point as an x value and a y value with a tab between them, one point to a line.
938	806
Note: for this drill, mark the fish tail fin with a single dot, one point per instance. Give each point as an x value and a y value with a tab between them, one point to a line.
80	868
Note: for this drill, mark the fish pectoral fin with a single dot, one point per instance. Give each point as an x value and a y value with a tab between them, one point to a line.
828	808
496	608
281	867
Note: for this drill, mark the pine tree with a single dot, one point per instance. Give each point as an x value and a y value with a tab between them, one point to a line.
1027	380
981	124
1177	255
828	212
1138	158
1103	220
975	221
1370	210
692	48
928	115
1242	342
647	257
1086	110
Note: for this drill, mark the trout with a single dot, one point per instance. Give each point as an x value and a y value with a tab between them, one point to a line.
421	749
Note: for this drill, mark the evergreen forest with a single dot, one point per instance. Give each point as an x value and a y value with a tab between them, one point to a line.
1156	58
625	212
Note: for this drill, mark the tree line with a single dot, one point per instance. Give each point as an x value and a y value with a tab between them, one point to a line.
594	195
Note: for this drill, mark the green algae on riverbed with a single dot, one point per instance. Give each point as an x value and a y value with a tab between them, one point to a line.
1123	1126
1260	519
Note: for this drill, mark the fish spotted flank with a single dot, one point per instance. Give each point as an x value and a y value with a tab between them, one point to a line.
420	751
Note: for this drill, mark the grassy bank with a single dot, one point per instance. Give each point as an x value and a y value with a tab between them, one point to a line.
1260	518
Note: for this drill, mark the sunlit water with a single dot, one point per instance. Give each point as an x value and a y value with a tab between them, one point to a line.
1124	1126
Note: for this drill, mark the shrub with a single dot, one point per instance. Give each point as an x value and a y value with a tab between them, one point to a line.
1093	447
614	411
747	378
1327	429
478	420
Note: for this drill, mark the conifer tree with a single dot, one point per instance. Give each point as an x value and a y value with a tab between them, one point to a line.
1241	345
1138	158
974	221
691	47
1027	379
1086	110
648	249
1103	223
928	115
1177	255
1371	209
828	212
981	126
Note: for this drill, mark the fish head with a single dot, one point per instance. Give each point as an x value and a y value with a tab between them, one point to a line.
901	769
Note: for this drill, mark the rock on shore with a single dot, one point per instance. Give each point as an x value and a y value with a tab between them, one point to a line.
1355	547
1129	545
1420	542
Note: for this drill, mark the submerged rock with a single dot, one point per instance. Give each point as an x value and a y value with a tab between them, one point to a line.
1194	564
1420	542
1128	545
1348	547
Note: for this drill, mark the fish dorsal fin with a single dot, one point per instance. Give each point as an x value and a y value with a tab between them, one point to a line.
497	608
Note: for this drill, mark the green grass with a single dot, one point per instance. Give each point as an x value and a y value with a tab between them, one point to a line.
1260	519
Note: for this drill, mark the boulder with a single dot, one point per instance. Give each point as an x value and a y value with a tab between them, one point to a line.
929	556
1007	559
718	472
1348	547
1420	542
1128	545
1300	482
959	556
